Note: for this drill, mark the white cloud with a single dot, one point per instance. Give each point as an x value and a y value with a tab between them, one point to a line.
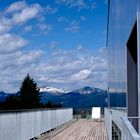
81	75
79	4
18	59
27	13
18	13
17	6
5	24
15	66
66	69
10	43
73	27
29	57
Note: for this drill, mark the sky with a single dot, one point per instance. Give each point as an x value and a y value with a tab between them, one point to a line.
60	43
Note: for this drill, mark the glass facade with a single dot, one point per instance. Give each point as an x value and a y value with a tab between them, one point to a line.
138	36
123	15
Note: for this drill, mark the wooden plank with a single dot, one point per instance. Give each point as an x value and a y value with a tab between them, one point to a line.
83	130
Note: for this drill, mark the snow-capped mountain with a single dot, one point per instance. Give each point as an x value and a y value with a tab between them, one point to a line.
88	90
81	98
56	91
53	90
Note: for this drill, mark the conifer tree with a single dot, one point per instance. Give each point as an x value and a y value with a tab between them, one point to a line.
29	93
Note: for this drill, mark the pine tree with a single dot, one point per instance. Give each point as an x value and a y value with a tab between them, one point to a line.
29	93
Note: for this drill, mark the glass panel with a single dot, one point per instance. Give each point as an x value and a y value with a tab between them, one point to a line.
138	34
121	21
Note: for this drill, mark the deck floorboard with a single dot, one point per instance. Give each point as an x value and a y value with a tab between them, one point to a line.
83	130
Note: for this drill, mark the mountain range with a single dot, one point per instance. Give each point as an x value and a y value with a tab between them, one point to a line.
81	98
85	97
54	91
57	91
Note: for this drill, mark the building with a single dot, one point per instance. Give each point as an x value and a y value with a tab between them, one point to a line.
123	45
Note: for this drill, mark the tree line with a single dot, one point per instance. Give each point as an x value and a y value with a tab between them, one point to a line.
28	97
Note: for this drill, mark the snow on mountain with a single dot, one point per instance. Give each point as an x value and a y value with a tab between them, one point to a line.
85	90
53	90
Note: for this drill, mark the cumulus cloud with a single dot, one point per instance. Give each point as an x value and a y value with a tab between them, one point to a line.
24	58
19	58
15	61
26	14
5	24
15	66
73	69
79	4
66	69
10	43
18	13
81	75
17	6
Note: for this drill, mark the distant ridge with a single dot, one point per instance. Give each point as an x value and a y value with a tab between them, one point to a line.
80	98
56	91
85	97
53	90
88	90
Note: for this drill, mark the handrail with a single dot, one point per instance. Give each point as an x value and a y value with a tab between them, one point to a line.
130	128
30	110
119	108
120	118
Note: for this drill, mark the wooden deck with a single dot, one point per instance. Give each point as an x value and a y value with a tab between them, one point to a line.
83	130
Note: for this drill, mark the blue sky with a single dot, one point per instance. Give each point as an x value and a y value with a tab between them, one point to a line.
61	43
